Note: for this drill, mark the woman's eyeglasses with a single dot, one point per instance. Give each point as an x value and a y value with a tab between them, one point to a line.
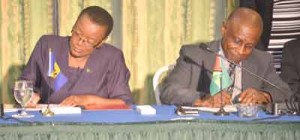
86	41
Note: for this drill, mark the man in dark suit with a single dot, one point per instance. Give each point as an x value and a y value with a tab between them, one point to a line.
189	83
290	66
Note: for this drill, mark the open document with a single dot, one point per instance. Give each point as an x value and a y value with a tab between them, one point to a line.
227	108
57	109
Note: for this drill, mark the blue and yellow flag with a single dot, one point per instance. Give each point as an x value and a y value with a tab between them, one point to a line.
54	72
219	73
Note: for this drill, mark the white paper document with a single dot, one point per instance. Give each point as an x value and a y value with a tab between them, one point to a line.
57	109
146	110
227	108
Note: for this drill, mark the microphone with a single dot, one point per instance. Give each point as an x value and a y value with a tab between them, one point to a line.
1	110
291	106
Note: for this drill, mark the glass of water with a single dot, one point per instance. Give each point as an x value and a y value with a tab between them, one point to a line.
23	91
248	111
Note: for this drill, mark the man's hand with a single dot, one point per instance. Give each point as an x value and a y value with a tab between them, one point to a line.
254	96
214	101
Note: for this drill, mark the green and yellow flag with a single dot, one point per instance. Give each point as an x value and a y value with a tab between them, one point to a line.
219	73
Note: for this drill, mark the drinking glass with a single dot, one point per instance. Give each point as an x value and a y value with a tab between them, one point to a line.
23	91
248	111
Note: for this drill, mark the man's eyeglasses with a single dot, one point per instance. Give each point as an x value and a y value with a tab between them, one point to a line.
86	41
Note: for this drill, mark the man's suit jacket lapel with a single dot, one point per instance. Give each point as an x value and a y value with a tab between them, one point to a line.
211	57
247	78
204	58
209	60
204	61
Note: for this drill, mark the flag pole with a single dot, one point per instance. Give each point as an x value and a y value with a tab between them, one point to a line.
221	111
48	112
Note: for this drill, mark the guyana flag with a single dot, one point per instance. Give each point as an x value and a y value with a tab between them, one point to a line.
219	73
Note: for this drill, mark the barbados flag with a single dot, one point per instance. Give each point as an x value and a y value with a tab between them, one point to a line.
219	73
54	72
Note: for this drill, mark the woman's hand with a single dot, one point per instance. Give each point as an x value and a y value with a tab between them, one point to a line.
33	100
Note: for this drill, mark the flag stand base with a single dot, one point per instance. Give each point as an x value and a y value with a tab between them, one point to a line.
48	112
221	112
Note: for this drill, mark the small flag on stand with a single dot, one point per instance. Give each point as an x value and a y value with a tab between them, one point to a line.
50	63
219	72
54	72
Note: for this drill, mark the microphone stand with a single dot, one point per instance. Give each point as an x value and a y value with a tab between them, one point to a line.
291	105
221	111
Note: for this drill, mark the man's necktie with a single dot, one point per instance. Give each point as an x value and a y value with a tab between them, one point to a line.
231	72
